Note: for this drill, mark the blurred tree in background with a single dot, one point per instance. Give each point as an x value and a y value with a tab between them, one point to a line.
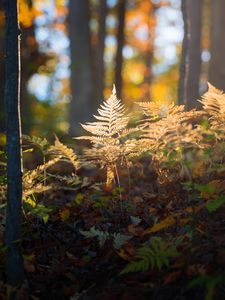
217	64
73	51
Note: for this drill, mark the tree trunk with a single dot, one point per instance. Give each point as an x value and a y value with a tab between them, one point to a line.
120	45
83	102
103	9
217	62
2	74
14	262
182	88
149	55
29	52
194	53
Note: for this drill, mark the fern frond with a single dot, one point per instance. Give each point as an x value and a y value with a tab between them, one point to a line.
40	143
111	119
214	104
156	110
30	176
35	189
157	256
109	136
69	180
63	150
3	190
118	239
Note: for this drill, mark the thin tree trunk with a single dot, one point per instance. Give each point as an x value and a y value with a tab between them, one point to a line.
14	262
194	53
182	88
120	45
29	52
149	56
217	62
83	102
2	74
103	9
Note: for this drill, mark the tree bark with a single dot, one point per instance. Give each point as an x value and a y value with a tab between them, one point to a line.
149	56
194	53
120	45
103	9
29	52
2	74
217	62
83	102
14	262
182	88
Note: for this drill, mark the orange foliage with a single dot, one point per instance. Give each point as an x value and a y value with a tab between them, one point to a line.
27	13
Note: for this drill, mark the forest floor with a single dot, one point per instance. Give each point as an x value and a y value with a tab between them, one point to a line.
61	261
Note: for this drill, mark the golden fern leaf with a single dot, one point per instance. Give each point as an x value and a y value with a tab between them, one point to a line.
156	110
30	176
214	104
35	189
111	120
109	136
3	189
63	150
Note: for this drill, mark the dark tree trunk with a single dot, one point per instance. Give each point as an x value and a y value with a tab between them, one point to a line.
83	102
182	88
194	53
14	263
120	44
2	74
217	62
103	9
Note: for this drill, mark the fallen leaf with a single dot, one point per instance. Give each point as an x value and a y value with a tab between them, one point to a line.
135	230
135	220
171	277
169	221
65	214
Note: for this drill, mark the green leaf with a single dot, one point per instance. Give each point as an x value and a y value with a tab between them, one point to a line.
213	205
79	198
157	255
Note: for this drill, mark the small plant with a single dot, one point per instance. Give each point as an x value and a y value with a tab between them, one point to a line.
110	145
118	239
157	255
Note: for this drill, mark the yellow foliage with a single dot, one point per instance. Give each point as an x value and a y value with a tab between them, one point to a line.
27	13
169	221
65	214
29	201
198	169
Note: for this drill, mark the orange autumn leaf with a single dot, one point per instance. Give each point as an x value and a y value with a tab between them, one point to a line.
127	252
171	277
135	230
216	187
64	214
169	221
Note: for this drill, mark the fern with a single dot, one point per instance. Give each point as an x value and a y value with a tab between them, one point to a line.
32	180
111	120
66	152
118	239
214	104
158	110
157	256
109	144
40	143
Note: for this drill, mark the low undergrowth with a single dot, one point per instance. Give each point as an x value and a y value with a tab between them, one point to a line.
139	214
